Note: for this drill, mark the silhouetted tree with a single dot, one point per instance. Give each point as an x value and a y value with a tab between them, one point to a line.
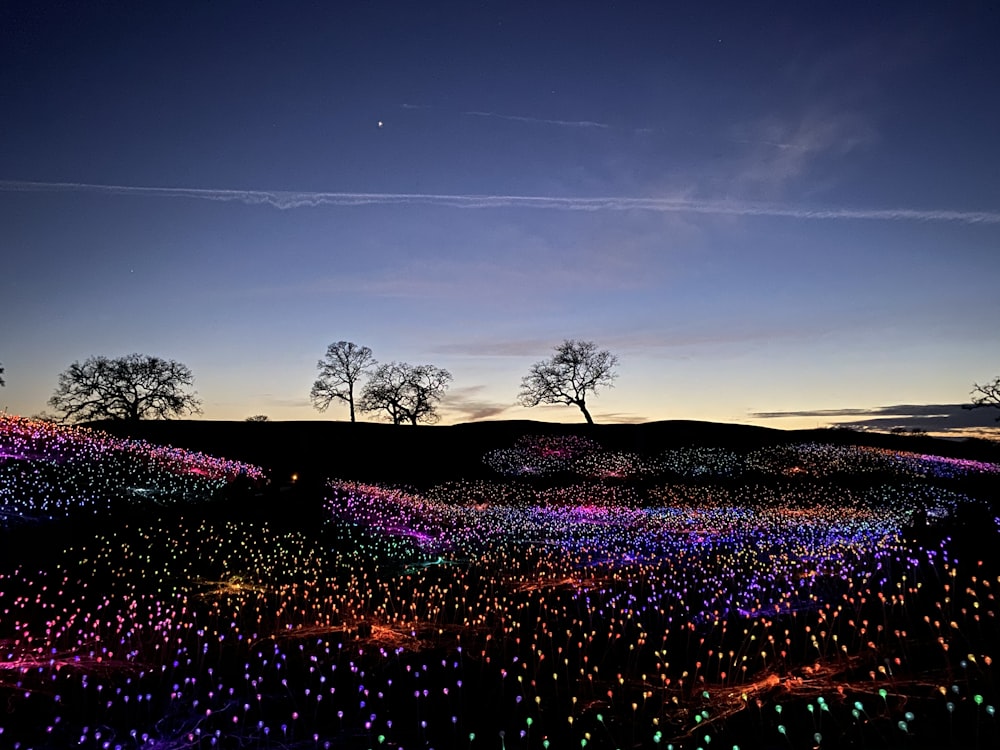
576	369
339	371
986	395
406	393
1	373
258	418
131	388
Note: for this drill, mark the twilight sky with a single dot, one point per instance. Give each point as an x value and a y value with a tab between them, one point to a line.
780	213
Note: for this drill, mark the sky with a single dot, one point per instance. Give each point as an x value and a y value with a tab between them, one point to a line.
776	213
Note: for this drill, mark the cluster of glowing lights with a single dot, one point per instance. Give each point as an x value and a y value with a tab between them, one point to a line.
541	456
749	550
662	612
49	470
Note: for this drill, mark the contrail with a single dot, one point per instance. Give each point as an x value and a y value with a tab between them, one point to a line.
287	199
518	118
540	121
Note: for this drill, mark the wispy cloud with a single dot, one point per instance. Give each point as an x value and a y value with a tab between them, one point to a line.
466	405
618	417
288	199
928	417
816	130
781	149
284	402
516	118
508	348
643	343
925	410
539	120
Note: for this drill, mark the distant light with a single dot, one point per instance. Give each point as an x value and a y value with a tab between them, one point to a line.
295	477
380	123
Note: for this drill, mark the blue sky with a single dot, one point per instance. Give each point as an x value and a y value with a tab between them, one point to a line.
761	208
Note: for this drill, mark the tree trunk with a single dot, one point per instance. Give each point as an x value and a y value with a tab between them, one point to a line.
583	408
351	402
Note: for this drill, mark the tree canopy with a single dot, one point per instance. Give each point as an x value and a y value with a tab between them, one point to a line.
133	387
339	372
987	394
406	393
576	369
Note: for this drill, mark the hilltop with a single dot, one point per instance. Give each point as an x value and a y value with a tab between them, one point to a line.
314	450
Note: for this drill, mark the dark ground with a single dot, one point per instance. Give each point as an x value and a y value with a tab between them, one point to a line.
427	454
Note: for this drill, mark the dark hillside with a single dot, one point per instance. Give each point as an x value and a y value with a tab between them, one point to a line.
380	452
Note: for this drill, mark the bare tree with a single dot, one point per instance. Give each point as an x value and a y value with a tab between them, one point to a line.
339	371
576	369
406	393
131	388
385	391
986	395
426	387
258	418
1	373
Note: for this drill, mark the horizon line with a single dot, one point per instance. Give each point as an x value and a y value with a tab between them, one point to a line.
290	199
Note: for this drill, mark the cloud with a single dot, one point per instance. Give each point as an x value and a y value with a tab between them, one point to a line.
646	342
923	410
517	118
530	280
618	417
287	199
509	348
814	131
928	417
466	405
643	343
781	149
540	120
297	403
